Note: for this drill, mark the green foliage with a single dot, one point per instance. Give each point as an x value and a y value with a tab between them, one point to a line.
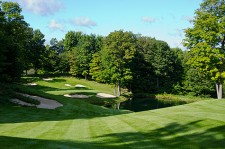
117	55
55	60
206	41
37	50
81	51
156	66
71	40
95	67
13	37
142	69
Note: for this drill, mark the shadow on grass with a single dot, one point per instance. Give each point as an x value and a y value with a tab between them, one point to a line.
84	93
173	135
71	109
57	80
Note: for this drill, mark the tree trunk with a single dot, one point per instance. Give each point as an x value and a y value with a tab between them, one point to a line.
115	93
118	106
219	90
118	92
85	76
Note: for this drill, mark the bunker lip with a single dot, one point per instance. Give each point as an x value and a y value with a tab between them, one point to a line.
47	79
76	96
104	95
44	103
79	85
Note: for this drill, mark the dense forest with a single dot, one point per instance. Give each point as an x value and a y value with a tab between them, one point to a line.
124	59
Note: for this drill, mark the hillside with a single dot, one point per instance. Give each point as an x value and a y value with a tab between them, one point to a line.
81	125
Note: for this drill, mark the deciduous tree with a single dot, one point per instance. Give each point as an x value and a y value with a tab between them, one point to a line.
206	41
13	38
118	51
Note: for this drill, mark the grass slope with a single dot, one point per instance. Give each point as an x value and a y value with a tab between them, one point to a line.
81	125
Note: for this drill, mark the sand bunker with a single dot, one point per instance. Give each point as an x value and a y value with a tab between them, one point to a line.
79	85
44	103
68	85
32	84
17	101
47	79
104	95
76	96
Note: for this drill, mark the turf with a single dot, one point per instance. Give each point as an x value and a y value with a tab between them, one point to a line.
81	125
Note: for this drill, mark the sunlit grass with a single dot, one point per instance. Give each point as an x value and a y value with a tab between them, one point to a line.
81	125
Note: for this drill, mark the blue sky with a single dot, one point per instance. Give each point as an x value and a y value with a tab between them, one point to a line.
162	19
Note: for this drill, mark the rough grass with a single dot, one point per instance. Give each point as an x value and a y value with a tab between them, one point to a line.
81	125
170	98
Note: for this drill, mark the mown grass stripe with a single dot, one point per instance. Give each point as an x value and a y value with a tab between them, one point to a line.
160	132
40	129
19	130
74	131
120	131
57	131
98	127
142	130
206	115
6	128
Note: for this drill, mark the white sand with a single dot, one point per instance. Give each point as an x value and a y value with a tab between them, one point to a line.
76	96
104	95
44	103
68	85
32	84
47	79
79	85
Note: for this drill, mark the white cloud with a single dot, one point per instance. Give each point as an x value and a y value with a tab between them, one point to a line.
55	25
84	21
148	19
41	7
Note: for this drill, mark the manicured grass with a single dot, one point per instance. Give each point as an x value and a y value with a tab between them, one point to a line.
80	125
57	87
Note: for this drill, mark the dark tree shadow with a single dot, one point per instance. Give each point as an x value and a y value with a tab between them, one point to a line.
57	80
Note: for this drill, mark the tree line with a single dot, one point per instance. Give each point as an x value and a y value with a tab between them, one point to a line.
124	59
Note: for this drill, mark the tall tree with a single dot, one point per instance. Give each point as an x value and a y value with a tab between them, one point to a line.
13	36
161	69
54	57
118	53
71	40
95	64
81	55
2	40
206	41
37	50
86	48
142	66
